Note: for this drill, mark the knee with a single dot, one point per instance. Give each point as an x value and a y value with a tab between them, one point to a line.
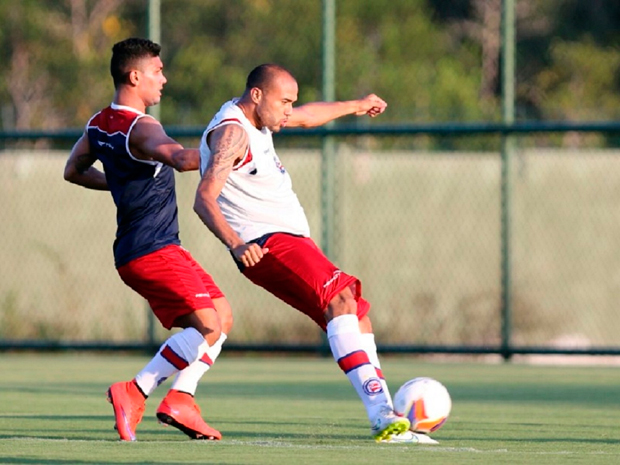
212	335
209	326
224	311
226	323
205	321
365	325
343	303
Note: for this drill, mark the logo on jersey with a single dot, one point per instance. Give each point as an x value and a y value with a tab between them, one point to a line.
279	165
105	144
372	386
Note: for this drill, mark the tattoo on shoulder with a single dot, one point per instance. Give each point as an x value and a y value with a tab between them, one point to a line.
229	147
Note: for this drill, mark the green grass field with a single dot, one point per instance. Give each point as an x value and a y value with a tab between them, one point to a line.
303	410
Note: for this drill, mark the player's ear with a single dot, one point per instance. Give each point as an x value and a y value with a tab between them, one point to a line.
256	94
133	77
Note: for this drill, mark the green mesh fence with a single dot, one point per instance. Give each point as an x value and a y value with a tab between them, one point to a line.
421	229
417	213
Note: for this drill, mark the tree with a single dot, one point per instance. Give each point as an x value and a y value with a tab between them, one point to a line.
432	60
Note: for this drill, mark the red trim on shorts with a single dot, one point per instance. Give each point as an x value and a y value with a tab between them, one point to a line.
173	358
353	360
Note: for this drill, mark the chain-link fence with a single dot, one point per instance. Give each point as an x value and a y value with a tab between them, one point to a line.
421	229
419	218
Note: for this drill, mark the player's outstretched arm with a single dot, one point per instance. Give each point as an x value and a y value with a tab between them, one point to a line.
149	141
228	144
318	113
79	168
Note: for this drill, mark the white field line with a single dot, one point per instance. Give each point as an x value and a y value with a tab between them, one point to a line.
288	445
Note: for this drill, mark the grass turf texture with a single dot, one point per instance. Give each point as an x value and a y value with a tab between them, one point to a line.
303	410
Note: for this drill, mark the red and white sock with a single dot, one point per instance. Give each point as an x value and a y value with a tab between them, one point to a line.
177	353
368	340
347	346
187	379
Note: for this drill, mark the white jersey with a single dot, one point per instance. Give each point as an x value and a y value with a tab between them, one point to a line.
257	197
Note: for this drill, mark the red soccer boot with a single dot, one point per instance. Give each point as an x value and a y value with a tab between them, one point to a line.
128	404
179	410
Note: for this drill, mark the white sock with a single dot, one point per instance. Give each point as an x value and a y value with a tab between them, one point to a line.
187	379
177	353
346	343
368	341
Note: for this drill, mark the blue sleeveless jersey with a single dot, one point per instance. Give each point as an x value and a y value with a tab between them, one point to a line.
143	191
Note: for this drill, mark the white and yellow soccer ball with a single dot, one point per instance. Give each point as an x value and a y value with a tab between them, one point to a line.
425	402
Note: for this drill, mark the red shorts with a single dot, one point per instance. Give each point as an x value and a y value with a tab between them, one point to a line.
172	282
296	271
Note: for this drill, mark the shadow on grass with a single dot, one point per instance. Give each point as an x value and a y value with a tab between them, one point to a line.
284	390
523	440
270	430
59	417
39	460
588	394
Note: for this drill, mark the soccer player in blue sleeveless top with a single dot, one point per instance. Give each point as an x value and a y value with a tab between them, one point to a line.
139	160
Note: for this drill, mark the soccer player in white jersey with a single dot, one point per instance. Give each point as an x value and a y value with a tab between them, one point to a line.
245	198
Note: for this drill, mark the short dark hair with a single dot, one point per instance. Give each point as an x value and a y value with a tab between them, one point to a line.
126	53
263	75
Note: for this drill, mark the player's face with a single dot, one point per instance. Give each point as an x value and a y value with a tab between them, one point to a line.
276	103
152	80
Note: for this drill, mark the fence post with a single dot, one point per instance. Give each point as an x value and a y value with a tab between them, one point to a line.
508	117
328	146
154	34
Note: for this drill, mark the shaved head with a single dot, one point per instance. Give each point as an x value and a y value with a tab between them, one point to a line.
264	76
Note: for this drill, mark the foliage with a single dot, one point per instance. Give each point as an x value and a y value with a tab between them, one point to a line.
432	60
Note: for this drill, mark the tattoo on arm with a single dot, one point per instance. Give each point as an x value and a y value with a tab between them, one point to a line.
228	148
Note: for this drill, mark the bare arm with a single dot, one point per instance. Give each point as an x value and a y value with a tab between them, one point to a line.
319	113
149	141
228	144
79	167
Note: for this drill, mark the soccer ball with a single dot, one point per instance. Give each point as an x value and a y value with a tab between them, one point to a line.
425	402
